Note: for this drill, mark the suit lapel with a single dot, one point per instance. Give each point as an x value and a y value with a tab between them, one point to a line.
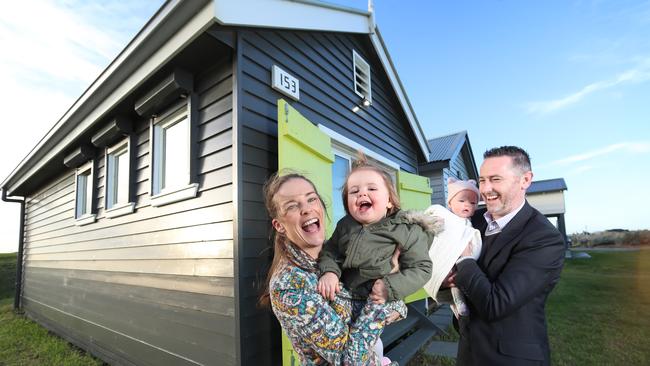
479	223
509	233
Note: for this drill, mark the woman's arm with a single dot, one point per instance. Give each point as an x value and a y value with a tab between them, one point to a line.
324	327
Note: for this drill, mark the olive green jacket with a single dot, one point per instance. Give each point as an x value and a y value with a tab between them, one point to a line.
359	254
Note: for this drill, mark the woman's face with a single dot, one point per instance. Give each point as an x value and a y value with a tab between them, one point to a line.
300	215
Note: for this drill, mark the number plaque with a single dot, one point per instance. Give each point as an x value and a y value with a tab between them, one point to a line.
285	83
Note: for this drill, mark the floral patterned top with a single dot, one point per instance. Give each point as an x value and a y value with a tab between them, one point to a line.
322	331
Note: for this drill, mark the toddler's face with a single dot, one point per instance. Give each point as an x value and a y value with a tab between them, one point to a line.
464	203
368	199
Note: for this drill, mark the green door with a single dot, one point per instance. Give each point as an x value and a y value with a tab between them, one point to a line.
415	194
304	149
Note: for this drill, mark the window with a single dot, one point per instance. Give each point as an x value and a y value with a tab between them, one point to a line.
362	83
84	194
340	170
171	157
118	180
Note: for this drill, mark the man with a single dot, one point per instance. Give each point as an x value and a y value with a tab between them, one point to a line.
519	265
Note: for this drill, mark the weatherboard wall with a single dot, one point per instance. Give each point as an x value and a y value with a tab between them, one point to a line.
154	287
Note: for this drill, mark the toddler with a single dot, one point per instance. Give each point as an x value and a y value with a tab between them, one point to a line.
448	246
375	229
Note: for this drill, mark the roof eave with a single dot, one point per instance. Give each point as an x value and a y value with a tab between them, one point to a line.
140	59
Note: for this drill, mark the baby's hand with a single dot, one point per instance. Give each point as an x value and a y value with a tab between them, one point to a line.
328	285
467	252
379	294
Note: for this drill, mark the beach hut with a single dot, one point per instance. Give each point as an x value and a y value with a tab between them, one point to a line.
547	196
450	156
145	232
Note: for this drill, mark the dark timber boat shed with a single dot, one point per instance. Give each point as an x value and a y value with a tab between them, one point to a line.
143	232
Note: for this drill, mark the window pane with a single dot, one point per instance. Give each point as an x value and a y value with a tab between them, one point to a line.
89	194
175	162
340	169
111	187
157	159
122	186
82	182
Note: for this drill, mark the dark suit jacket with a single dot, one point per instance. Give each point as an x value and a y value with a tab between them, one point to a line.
506	290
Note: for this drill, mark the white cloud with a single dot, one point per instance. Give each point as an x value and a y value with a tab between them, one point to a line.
630	147
636	75
582	169
51	52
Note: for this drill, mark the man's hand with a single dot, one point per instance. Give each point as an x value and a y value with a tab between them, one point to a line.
328	285
379	294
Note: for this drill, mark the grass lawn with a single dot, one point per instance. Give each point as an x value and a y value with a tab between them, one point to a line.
25	343
598	314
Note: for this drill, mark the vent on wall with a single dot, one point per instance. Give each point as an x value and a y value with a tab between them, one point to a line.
362	78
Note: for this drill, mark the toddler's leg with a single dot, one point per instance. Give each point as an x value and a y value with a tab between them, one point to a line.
379	348
379	351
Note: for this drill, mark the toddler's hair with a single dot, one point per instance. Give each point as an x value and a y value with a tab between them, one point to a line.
362	163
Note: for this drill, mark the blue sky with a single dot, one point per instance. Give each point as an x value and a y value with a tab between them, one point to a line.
569	81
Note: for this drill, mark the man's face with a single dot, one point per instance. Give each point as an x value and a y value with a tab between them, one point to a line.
502	186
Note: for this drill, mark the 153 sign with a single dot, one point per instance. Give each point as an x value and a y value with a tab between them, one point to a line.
286	84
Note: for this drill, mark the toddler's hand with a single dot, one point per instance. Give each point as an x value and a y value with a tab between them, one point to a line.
379	294
328	285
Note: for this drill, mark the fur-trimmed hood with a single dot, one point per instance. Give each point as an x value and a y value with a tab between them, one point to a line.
431	224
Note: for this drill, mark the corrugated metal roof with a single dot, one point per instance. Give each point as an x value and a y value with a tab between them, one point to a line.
443	148
548	185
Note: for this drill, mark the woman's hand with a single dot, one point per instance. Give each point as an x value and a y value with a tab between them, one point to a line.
394	261
379	294
328	285
392	317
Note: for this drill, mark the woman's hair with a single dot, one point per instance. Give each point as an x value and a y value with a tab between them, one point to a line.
271	187
361	163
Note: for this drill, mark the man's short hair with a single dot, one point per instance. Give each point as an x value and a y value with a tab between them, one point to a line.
520	158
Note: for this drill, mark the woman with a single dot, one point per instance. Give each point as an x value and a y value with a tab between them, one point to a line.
321	332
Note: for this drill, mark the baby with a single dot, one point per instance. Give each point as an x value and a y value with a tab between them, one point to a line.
450	243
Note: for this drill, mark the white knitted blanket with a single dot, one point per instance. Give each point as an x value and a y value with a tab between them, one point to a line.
448	245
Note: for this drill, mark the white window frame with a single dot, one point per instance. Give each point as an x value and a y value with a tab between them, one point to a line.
88	216
118	208
165	195
345	144
357	59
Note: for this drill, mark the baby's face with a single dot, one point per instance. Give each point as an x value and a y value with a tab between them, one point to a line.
368	199
464	203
